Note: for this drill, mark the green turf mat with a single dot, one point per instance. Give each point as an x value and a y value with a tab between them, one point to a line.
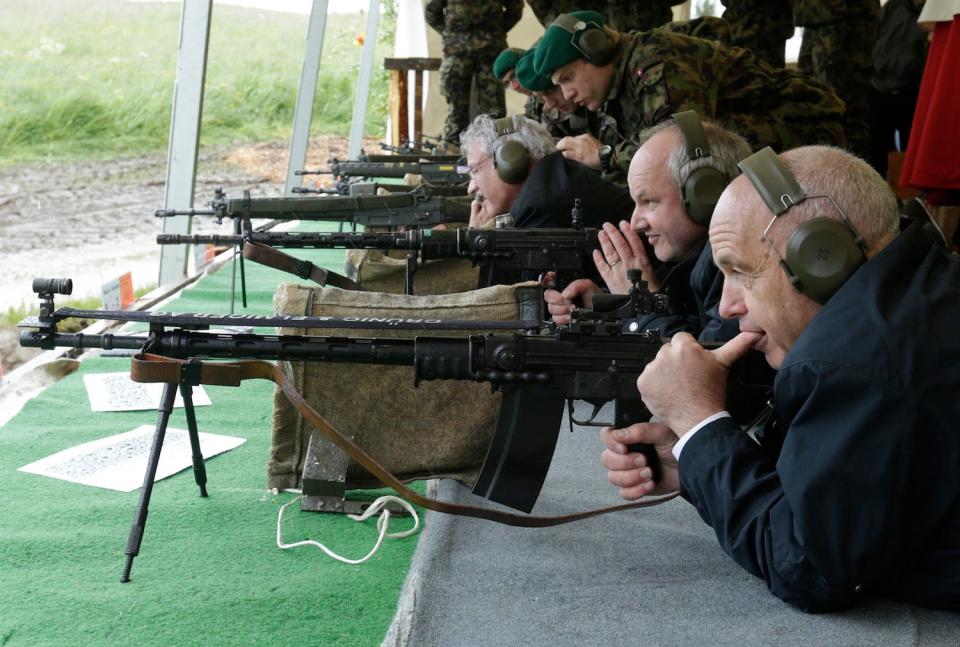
209	572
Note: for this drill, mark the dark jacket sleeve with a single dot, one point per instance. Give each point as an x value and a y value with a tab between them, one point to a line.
823	523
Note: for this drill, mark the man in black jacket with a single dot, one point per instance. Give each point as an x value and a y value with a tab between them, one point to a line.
854	489
516	172
542	192
659	172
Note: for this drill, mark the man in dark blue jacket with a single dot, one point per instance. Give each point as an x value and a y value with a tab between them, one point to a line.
855	489
664	179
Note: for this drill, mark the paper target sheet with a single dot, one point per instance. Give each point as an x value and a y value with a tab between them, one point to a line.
118	462
117	392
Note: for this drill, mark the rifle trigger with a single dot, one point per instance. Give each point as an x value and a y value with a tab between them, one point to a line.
589	422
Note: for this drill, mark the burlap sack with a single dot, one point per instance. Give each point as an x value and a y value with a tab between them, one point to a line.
439	429
378	272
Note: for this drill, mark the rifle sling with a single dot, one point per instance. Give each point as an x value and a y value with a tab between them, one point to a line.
266	255
147	367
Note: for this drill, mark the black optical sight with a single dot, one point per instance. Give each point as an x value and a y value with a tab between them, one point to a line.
53	286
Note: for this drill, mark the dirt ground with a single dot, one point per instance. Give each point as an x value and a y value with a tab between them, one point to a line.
94	221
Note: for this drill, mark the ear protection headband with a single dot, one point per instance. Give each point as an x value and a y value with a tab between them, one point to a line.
702	187
822	252
510	158
588	38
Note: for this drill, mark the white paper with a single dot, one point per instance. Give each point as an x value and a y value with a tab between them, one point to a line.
117	392
119	462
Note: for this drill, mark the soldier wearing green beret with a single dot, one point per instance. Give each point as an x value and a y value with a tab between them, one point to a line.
639	79
761	26
474	32
561	118
838	38
504	68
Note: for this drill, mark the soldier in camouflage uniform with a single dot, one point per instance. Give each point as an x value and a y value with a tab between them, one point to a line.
474	32
504	69
838	38
761	26
656	73
560	117
622	15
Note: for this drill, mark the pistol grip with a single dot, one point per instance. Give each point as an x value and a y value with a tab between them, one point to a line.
653	461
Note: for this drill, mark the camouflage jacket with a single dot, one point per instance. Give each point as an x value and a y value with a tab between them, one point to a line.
657	73
709	27
807	13
473	27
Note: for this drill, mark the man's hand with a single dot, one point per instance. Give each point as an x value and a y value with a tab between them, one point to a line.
582	148
561	304
478	214
628	470
686	383
622	250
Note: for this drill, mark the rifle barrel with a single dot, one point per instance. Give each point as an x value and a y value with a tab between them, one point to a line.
169	213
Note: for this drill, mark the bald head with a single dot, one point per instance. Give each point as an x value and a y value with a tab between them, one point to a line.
755	290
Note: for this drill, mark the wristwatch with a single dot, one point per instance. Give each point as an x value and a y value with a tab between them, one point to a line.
605	154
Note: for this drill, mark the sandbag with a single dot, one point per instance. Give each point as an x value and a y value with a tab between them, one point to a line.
439	429
378	272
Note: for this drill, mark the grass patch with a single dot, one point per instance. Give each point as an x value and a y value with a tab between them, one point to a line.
95	79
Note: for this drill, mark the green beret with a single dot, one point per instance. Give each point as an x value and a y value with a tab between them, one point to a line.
506	61
556	47
528	77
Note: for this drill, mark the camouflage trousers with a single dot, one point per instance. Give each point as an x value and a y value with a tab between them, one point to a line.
763	30
839	55
457	74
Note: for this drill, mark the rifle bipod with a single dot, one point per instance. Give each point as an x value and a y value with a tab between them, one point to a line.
189	378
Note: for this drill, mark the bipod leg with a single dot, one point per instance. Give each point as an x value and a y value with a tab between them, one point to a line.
199	471
243	282
140	516
408	275
233	279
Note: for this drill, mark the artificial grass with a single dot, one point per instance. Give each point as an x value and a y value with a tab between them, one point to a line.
209	572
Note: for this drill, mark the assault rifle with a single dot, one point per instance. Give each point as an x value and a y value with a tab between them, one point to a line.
418	208
432	158
568	252
538	372
413	147
358	188
431	172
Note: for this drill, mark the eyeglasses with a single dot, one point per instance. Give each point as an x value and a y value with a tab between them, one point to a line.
475	169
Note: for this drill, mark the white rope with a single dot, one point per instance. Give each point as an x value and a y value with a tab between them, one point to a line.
383	522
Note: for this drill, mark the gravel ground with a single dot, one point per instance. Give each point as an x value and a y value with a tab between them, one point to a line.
93	221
